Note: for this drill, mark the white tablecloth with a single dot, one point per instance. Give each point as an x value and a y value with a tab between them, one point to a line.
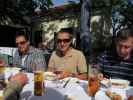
72	91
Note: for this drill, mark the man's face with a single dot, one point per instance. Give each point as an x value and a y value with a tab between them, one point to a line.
22	44
125	47
63	41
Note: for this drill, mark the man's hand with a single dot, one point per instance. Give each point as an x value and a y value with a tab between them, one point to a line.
82	76
68	74
64	74
20	77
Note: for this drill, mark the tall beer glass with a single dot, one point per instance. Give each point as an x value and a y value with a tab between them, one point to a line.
93	82
38	83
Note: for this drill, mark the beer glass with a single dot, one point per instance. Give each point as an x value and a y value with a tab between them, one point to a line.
2	76
93	82
38	83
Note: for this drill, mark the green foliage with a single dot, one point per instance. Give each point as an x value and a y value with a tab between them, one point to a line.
113	14
16	10
27	7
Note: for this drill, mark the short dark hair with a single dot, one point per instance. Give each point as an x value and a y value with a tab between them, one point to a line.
66	30
124	34
22	33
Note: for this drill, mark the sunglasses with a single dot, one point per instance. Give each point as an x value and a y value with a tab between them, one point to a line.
21	43
63	40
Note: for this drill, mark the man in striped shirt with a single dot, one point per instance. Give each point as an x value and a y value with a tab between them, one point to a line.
118	61
26	56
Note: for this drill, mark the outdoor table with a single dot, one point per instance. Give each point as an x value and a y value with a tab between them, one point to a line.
73	91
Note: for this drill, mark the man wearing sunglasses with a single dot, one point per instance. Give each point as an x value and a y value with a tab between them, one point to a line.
26	56
69	60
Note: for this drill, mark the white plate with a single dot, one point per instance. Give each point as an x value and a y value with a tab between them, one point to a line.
120	83
49	76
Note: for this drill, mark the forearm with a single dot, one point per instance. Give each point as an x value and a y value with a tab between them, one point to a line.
82	76
12	90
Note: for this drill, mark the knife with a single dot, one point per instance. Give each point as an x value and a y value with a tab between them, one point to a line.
66	83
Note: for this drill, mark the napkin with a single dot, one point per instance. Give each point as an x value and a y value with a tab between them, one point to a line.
75	92
100	95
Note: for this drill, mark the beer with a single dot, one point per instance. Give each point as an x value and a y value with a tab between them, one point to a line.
2	65
2	77
38	83
93	86
2	69
93	82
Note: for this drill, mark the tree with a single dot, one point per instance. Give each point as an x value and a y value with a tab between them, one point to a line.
122	15
17	10
85	36
27	7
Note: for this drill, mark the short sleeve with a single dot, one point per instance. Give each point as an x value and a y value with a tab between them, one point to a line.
82	66
51	63
39	61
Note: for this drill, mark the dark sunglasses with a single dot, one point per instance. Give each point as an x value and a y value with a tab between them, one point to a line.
63	40
21	43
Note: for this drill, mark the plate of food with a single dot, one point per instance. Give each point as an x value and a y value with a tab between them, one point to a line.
113	95
50	76
119	83
12	69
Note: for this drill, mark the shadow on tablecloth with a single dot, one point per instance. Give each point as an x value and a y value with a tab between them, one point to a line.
50	94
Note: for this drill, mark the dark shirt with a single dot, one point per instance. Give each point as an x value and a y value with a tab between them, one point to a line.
111	65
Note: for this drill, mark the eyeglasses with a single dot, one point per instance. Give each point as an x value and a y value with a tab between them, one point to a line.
63	40
21	43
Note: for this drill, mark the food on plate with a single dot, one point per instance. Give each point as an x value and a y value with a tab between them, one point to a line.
120	83
13	69
16	69
50	76
113	95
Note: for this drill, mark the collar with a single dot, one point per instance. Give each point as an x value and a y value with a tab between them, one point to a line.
68	54
30	51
